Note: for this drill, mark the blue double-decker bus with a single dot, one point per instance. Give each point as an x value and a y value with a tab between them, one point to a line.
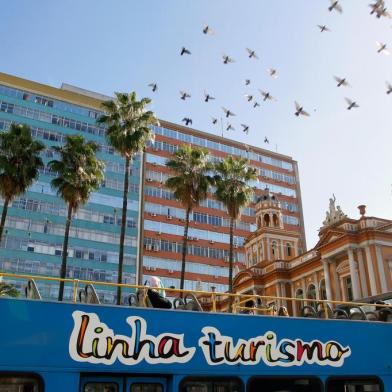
49	346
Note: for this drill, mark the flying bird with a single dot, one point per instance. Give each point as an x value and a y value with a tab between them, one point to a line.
214	120
187	120
266	95
247	82
207	30
230	127
184	50
207	97
272	72
248	97
227	59
342	81
323	28
153	86
382	48
252	54
376	6
351	104
228	112
389	87
184	95
245	128
335	6
300	110
383	12
266	140
256	104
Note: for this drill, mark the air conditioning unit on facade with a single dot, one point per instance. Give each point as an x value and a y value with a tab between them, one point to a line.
149	179
169	217
212	242
171	271
148	268
236	246
153	268
153	214
158	232
195	239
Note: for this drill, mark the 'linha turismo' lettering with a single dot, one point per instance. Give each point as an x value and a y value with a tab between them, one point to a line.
92	341
219	349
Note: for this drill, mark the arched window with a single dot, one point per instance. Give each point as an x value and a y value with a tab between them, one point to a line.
323	290
275	220
274	249
266	220
311	294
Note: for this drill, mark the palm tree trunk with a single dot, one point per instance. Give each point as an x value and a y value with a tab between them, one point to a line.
184	249
231	254
123	226
63	269
3	217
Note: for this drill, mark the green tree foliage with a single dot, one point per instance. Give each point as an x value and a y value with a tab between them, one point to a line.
79	173
190	183
128	130
233	190
19	164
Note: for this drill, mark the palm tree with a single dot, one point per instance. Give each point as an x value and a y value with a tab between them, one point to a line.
232	189
19	164
128	131
79	173
190	184
8	290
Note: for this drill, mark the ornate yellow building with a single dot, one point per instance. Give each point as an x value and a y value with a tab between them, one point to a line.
351	261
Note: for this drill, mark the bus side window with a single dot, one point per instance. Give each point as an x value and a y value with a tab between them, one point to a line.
100	387
19	383
351	384
210	384
146	387
286	384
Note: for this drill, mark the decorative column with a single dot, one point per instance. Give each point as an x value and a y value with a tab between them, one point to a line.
372	278
278	293
303	286
338	293
354	274
282	250
316	285
327	279
362	273
283	292
268	249
381	270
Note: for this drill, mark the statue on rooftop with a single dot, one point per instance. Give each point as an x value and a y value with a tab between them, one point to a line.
334	214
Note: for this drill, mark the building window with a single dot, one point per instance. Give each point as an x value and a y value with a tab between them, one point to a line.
348	288
311	294
288	250
299	304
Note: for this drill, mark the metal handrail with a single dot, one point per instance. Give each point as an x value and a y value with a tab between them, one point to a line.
213	294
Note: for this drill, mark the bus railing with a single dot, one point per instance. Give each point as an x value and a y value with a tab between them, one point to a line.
213	298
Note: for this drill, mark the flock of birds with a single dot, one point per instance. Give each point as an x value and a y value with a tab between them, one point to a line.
378	9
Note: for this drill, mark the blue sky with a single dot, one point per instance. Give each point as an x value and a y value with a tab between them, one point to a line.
116	45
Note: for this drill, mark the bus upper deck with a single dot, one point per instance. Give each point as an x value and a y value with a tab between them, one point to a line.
51	346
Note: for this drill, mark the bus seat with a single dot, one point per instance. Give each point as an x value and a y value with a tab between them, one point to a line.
308	311
88	295
384	314
188	302
31	290
371	316
321	310
357	313
283	312
340	314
